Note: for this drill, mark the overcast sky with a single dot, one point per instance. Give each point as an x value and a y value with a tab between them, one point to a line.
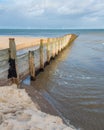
51	14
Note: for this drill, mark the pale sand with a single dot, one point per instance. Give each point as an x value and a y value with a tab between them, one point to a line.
21	42
18	112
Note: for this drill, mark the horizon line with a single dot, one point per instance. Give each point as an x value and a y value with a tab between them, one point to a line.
54	28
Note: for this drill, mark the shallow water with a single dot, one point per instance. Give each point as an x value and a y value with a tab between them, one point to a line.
74	82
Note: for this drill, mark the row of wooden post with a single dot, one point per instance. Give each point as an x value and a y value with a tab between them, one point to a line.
53	45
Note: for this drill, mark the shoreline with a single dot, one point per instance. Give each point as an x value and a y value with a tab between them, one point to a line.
43	103
38	98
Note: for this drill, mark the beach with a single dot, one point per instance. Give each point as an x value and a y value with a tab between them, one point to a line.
72	85
21	41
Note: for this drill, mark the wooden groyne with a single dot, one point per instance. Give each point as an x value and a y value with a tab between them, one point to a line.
17	62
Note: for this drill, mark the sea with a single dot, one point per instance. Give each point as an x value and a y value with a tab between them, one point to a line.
74	82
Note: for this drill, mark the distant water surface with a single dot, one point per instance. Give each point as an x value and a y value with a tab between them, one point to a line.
48	32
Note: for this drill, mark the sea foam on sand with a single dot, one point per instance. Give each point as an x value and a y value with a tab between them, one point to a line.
18	112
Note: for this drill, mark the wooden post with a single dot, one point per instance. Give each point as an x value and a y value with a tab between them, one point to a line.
53	48
60	44
70	39
12	72
56	43
41	55
64	42
12	48
32	65
67	40
48	51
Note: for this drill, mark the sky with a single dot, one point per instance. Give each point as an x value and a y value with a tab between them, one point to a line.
44	14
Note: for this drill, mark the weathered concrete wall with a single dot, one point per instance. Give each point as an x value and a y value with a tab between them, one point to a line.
29	60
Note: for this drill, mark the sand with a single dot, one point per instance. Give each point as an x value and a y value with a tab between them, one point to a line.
18	112
21	42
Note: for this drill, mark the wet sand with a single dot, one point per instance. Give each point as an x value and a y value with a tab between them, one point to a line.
37	98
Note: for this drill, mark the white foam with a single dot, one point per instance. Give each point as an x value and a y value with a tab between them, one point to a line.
83	77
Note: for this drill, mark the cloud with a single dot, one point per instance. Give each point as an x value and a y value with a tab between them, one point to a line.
34	12
26	8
